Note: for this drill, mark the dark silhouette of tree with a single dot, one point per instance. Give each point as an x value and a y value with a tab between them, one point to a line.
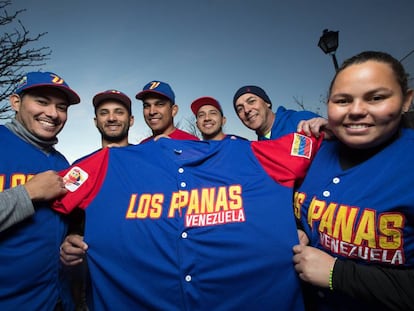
16	54
317	109
189	125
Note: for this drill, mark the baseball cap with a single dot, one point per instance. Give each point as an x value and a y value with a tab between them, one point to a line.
258	91
206	100
112	94
157	87
49	79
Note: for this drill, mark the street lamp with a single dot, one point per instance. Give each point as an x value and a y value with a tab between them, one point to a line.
328	43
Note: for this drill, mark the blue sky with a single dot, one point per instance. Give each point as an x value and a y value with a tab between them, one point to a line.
206	48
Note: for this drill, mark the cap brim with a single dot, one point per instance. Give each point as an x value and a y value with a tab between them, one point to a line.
106	96
142	94
202	101
73	98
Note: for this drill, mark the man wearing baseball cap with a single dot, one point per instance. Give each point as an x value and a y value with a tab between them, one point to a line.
210	119
254	108
31	232
159	110
113	117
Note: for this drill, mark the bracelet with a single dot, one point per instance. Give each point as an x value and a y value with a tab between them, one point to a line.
330	281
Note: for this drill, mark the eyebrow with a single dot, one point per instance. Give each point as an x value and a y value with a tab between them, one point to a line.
155	102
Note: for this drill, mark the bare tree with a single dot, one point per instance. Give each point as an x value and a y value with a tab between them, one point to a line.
189	125
317	109
16	54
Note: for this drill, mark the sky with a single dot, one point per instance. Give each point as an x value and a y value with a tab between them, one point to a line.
206	48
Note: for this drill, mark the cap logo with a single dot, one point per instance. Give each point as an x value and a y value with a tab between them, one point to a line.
115	91
22	82
154	85
57	80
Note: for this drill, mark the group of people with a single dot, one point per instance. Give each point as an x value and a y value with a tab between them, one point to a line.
354	209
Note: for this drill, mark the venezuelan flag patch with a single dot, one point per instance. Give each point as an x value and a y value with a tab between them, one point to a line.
301	146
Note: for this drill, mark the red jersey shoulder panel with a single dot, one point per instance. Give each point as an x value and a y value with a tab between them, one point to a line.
287	158
83	181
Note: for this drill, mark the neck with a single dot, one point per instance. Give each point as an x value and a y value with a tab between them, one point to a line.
218	136
18	129
267	126
167	131
350	157
119	143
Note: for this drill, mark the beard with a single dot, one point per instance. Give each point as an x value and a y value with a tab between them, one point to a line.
114	138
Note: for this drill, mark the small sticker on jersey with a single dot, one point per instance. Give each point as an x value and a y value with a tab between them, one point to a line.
75	178
301	146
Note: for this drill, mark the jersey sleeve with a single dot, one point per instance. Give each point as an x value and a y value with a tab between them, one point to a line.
83	181
287	158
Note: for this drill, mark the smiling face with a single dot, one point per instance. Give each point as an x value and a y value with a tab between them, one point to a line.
210	122
159	114
366	104
42	111
255	113
113	121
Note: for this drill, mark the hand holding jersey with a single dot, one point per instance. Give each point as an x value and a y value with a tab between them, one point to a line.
210	229
347	205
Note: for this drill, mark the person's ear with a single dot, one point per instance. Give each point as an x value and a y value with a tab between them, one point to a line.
408	100
15	102
223	121
174	110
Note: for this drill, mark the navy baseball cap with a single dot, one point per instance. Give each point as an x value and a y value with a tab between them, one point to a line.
206	100
258	91
157	87
112	94
49	79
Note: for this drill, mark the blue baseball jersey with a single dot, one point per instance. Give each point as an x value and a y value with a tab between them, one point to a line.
286	122
364	213
29	251
191	225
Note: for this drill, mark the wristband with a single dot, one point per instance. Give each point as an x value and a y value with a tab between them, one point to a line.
330	281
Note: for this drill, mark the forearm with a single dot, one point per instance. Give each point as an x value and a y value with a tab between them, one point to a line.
15	205
390	287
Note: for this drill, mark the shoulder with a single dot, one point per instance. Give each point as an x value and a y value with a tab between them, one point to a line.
180	134
234	137
303	114
146	139
86	156
5	132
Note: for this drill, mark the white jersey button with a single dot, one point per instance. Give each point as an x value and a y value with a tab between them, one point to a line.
180	170
183	184
326	194
336	180
184	235
188	278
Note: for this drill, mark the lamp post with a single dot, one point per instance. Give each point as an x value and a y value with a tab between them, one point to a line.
328	43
